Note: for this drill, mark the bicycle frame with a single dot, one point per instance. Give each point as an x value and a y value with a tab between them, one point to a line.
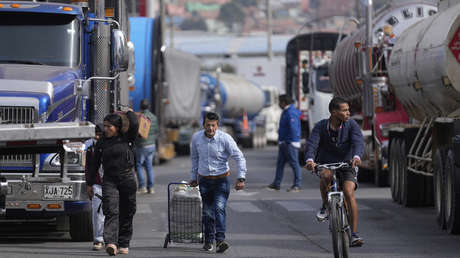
338	213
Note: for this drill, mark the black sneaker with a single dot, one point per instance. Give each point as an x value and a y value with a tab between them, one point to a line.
273	187
222	246
208	247
356	241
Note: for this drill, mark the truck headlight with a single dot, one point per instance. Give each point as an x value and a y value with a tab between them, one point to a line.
74	158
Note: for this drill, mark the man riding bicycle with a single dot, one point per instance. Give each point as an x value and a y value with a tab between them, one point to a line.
337	139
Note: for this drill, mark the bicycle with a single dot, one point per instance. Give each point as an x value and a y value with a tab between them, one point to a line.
338	214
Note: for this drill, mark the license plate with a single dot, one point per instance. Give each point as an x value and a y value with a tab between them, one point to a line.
57	192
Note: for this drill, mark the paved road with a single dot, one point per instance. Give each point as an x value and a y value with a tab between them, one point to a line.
263	223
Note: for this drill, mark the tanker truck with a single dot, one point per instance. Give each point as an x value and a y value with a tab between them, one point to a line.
239	103
422	74
365	84
61	71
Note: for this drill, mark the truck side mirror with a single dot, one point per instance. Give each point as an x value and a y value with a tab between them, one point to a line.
305	77
120	52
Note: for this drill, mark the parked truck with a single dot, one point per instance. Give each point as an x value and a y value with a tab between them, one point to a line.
170	80
365	84
415	74
61	71
307	78
239	103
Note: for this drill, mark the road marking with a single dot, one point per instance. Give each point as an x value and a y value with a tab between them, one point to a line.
243	193
243	207
363	207
143	208
295	206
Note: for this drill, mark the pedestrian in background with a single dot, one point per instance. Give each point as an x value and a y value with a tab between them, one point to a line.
96	199
210	151
145	151
289	144
115	151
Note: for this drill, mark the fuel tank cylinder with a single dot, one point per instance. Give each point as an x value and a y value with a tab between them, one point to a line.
240	95
424	67
345	69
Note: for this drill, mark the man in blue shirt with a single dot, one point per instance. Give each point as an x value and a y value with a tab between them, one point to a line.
289	144
337	139
210	151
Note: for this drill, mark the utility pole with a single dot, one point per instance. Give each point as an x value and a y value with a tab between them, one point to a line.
358	10
269	30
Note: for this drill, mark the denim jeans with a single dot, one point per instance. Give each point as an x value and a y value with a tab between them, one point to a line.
144	158
290	154
98	216
214	193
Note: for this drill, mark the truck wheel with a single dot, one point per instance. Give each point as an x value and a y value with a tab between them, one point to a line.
402	168
410	183
81	227
380	175
394	164
438	186
452	194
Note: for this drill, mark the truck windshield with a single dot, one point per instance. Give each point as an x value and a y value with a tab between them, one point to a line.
39	38
322	80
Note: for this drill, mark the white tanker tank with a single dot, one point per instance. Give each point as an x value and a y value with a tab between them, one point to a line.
239	102
424	66
345	65
237	94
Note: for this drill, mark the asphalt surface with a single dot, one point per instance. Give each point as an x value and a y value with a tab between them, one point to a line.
264	223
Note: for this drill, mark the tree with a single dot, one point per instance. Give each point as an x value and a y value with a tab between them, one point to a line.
231	13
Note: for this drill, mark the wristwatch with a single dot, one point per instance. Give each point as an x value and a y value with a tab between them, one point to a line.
241	180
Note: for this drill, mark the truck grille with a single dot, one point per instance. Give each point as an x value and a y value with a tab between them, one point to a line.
16	115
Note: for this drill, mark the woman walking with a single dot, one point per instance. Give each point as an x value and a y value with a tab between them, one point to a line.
116	153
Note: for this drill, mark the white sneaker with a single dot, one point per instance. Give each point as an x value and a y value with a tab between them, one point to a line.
322	214
142	190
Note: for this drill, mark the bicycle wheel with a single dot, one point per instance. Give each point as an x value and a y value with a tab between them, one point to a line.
346	231
335	218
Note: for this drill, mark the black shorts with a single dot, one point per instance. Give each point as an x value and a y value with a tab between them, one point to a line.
348	174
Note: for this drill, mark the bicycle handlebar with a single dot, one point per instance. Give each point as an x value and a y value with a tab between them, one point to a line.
332	166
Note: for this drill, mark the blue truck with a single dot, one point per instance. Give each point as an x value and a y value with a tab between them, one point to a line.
170	80
239	102
62	69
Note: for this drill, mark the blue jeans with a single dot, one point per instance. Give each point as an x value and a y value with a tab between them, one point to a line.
144	158
290	154
214	193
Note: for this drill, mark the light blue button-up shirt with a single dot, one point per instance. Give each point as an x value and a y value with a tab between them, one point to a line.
210	155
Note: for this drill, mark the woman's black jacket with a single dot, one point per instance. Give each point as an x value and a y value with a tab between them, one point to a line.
116	153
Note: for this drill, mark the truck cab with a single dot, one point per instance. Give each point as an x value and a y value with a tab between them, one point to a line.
49	105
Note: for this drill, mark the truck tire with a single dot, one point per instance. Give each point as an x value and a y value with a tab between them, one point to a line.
452	194
81	227
393	170
380	175
438	186
411	183
402	168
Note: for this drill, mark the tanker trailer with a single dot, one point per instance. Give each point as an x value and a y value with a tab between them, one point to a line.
425	155
371	97
238	102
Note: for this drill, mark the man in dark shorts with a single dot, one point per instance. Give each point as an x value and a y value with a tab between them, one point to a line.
337	139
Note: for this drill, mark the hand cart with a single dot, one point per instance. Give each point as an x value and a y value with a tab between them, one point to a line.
185	223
